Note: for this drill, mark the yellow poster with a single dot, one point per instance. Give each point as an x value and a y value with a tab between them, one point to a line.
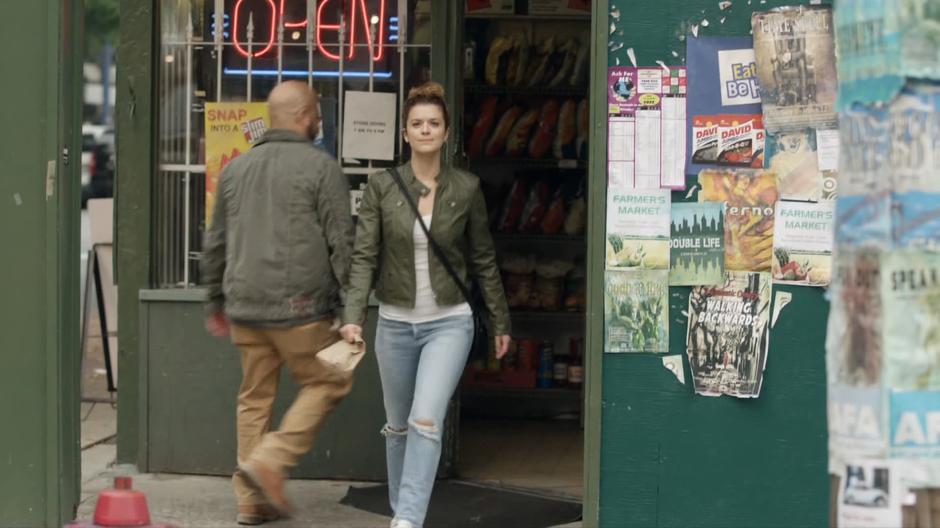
231	129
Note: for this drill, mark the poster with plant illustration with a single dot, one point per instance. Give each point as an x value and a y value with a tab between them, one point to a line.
803	238
638	228
749	197
728	335
697	252
636	311
910	290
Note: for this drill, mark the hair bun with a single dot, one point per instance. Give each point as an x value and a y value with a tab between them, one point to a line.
428	89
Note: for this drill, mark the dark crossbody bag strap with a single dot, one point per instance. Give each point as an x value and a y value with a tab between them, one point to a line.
436	248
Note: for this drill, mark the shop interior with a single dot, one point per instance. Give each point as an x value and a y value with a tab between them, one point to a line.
525	118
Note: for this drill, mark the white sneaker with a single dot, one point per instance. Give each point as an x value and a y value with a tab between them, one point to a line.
401	523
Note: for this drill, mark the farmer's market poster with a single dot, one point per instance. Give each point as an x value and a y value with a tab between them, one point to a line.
697	255
803	237
636	311
231	129
638	228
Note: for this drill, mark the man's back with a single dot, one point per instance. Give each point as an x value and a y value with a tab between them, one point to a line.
279	244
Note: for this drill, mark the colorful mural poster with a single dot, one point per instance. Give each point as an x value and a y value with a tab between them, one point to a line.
910	289
803	238
728	335
749	197
231	129
794	49
636	311
638	228
723	84
805	161
697	244
869	42
915	122
863	206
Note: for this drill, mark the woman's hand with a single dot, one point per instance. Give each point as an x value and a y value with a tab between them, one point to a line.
502	345
351	333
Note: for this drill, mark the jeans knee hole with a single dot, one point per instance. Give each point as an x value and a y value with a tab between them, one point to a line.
388	430
426	428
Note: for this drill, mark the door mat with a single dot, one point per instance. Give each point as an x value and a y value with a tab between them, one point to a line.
456	504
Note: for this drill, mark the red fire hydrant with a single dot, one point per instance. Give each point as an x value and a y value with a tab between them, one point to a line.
120	507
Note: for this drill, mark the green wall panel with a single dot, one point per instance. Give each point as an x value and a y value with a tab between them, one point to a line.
670	458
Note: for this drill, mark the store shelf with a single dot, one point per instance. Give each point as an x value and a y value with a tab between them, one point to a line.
535	18
520	392
525	163
560	91
555	240
546	316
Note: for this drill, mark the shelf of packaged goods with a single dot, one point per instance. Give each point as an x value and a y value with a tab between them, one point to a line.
544	316
552	393
505	239
536	18
524	163
559	91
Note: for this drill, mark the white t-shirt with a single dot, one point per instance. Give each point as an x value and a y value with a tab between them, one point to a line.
426	308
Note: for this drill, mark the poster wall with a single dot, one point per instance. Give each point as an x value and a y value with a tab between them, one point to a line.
231	129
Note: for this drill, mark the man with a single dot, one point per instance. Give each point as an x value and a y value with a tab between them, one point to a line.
276	257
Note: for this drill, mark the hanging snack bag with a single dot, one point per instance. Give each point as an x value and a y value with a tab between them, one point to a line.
737	136
705	139
535	208
519	135
498	140
512	208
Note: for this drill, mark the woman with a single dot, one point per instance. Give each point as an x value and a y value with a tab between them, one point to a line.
425	326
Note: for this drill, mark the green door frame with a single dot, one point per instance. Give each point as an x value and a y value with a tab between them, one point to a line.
597	229
136	122
40	223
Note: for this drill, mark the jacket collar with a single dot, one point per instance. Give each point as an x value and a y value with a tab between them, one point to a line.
274	135
412	181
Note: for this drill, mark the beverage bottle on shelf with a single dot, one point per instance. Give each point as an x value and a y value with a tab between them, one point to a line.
560	370
576	366
545	372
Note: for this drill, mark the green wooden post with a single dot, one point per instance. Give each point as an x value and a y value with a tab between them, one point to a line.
135	125
673	459
39	225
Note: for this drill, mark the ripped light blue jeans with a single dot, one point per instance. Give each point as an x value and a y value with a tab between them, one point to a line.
420	365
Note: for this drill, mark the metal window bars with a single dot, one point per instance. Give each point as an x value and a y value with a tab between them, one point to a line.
179	188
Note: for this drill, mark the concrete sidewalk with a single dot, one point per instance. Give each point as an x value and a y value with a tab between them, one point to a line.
204	502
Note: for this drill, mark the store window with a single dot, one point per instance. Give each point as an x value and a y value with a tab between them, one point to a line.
236	51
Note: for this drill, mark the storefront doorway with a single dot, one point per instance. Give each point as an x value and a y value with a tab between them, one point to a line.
524	85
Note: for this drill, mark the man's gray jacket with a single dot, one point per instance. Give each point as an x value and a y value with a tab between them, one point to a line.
278	248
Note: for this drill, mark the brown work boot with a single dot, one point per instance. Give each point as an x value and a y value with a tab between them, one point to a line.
270	483
255	514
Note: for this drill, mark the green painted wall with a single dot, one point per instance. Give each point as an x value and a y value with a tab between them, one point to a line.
669	458
39	227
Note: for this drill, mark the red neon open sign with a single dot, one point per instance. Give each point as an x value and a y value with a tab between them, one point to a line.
359	20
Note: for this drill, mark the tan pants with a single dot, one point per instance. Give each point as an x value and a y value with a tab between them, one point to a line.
263	352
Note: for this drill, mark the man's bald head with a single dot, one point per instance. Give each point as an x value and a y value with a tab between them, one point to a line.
293	106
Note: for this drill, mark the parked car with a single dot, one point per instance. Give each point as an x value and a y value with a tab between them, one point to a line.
863	495
97	162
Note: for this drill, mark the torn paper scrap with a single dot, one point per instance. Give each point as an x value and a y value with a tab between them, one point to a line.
674	364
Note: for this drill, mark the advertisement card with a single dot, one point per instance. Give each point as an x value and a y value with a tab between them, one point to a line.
796	160
638	228
231	129
854	342
870	494
728	335
697	252
803	238
795	54
636	311
749	197
722	81
863	209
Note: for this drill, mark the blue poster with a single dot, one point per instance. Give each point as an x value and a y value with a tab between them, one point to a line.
864	221
915	424
869	42
722	81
